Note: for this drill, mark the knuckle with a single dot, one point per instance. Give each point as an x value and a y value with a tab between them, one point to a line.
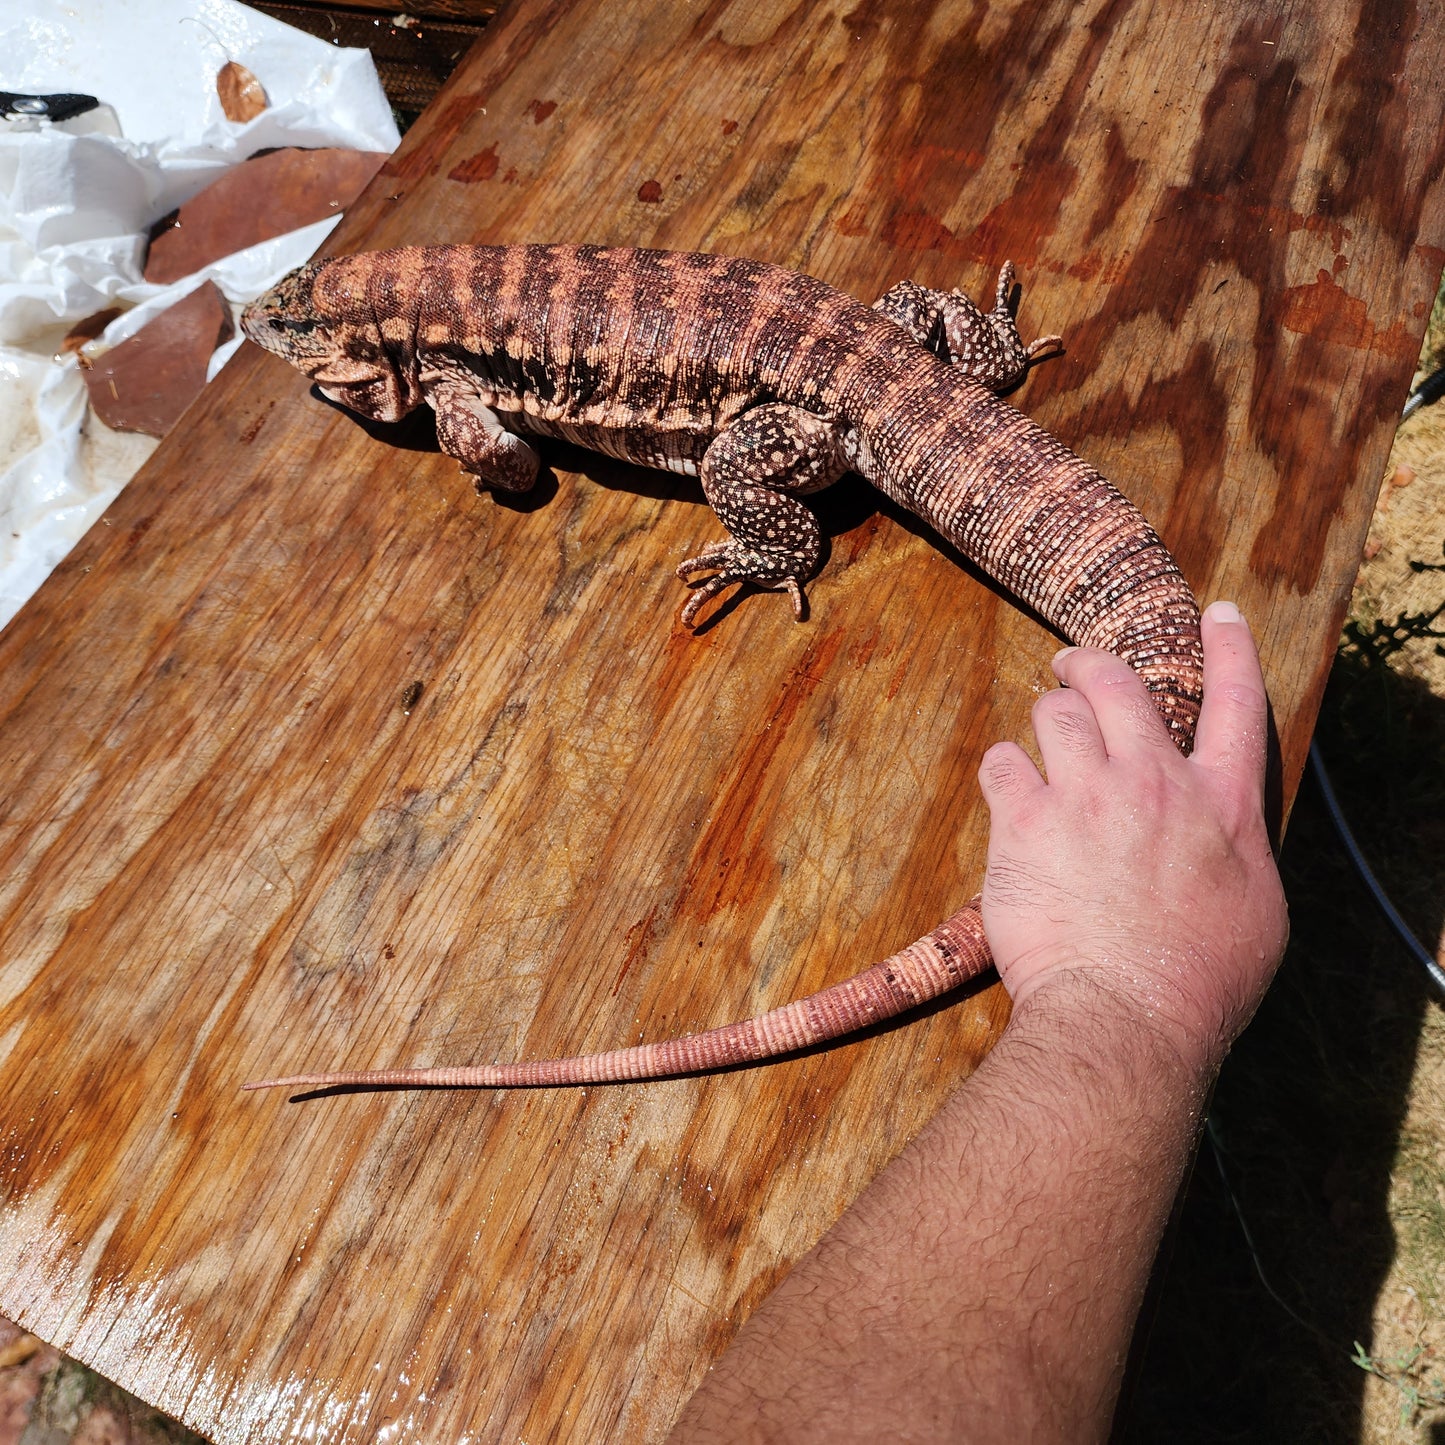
1145	719
1002	772
1011	883
1094	666
1075	731
1053	705
1069	719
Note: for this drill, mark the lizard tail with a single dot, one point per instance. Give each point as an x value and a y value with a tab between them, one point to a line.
951	954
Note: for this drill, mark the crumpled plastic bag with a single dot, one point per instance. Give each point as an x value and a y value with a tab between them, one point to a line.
75	210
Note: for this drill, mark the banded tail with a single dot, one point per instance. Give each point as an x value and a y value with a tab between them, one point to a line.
951	955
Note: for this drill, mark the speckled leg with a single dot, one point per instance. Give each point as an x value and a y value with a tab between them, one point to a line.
475	436
983	345
747	474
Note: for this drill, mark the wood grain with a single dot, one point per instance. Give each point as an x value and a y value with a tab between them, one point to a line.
313	757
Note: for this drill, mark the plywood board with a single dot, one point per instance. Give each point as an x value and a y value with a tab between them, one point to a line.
310	756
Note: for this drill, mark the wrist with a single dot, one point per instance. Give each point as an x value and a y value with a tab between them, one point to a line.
1125	1019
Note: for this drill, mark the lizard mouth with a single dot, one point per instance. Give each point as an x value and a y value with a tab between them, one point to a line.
292	337
284	320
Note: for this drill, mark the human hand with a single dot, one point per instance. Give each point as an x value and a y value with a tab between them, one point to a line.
1133	870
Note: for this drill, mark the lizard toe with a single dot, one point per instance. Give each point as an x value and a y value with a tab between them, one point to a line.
1044	346
717	555
702	591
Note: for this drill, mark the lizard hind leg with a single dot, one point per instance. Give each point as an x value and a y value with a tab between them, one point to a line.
985	346
747	473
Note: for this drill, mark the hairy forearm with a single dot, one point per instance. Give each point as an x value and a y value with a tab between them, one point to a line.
985	1286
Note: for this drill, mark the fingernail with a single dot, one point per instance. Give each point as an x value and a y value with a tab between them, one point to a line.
1222	612
1063	652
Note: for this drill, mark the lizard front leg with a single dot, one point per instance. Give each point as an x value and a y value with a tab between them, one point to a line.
985	346
747	473
473	433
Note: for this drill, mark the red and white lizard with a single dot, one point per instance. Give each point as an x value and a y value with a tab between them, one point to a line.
767	385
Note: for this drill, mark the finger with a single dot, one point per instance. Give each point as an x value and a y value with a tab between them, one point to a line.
1007	775
1127	719
1068	734
1233	732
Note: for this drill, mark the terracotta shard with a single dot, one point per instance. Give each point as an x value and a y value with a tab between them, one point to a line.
242	96
263	197
87	330
146	382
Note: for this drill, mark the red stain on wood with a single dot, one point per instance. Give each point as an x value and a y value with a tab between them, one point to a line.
861	652
650	192
422	152
1269	216
253	427
639	937
479	167
917	231
1328	314
1019	226
539	110
1120	177
139	530
735	833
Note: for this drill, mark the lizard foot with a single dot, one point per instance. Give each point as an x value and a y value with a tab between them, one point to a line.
983	345
1003	321
732	563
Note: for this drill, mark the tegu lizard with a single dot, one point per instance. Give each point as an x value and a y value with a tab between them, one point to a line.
767	385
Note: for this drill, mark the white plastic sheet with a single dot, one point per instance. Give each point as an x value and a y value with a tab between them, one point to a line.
75	210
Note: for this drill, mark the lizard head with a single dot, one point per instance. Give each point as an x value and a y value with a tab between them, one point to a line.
321	319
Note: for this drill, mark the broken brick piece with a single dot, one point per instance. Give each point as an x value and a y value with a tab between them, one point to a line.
263	197
146	382
87	330
241	95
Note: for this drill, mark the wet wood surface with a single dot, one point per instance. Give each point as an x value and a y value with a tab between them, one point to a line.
312	757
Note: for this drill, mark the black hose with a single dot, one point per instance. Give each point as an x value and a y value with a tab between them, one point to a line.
1392	916
1431	389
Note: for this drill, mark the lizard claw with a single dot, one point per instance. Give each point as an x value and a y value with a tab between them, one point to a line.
1005	285
1044	345
735	563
